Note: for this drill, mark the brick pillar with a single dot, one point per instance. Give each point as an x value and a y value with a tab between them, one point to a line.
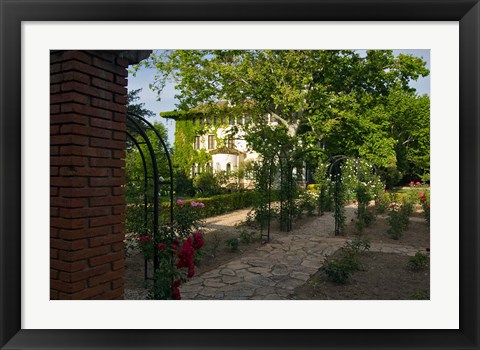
87	174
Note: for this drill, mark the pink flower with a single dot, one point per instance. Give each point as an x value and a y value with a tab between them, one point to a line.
417	183
200	205
193	204
180	202
197	204
412	183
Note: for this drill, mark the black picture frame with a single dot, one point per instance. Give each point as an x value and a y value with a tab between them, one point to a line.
13	12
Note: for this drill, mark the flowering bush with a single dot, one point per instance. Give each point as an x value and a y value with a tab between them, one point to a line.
425	203
398	218
174	250
358	174
382	202
421	196
307	201
363	184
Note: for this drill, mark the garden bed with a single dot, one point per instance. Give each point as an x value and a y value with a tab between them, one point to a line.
383	276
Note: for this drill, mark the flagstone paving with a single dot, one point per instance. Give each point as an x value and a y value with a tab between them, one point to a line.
275	269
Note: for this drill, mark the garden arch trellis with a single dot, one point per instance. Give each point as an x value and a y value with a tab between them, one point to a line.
137	128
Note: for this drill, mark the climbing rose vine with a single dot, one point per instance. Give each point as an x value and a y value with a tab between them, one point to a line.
175	248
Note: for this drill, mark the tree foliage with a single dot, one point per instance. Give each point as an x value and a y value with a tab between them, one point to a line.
336	102
137	108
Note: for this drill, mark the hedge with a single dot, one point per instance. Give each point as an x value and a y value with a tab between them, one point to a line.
215	205
223	203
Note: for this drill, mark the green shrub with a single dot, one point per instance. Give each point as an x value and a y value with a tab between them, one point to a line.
183	184
232	243
207	184
248	237
364	219
398	218
340	268
358	245
419	261
364	216
421	295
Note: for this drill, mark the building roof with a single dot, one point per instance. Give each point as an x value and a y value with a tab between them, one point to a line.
202	110
226	150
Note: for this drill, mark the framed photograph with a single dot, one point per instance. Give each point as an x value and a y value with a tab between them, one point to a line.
33	317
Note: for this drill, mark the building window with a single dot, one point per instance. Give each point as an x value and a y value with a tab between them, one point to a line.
196	143
229	168
229	142
211	141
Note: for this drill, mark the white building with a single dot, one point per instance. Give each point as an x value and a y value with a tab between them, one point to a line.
211	144
214	147
229	153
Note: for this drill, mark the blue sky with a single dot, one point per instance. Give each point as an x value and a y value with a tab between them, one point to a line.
144	77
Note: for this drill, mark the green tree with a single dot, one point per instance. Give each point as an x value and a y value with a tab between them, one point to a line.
285	83
137	108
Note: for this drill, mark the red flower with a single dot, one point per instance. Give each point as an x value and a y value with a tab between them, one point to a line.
174	246
161	246
176	283
185	257
429	206
197	241
191	271
412	183
420	194
176	293
145	239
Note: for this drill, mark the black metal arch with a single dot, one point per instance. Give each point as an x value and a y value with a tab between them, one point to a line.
137	128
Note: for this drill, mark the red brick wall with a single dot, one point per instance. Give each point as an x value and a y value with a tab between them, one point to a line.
87	203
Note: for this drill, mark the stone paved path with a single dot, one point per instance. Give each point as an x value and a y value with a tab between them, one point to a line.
276	268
